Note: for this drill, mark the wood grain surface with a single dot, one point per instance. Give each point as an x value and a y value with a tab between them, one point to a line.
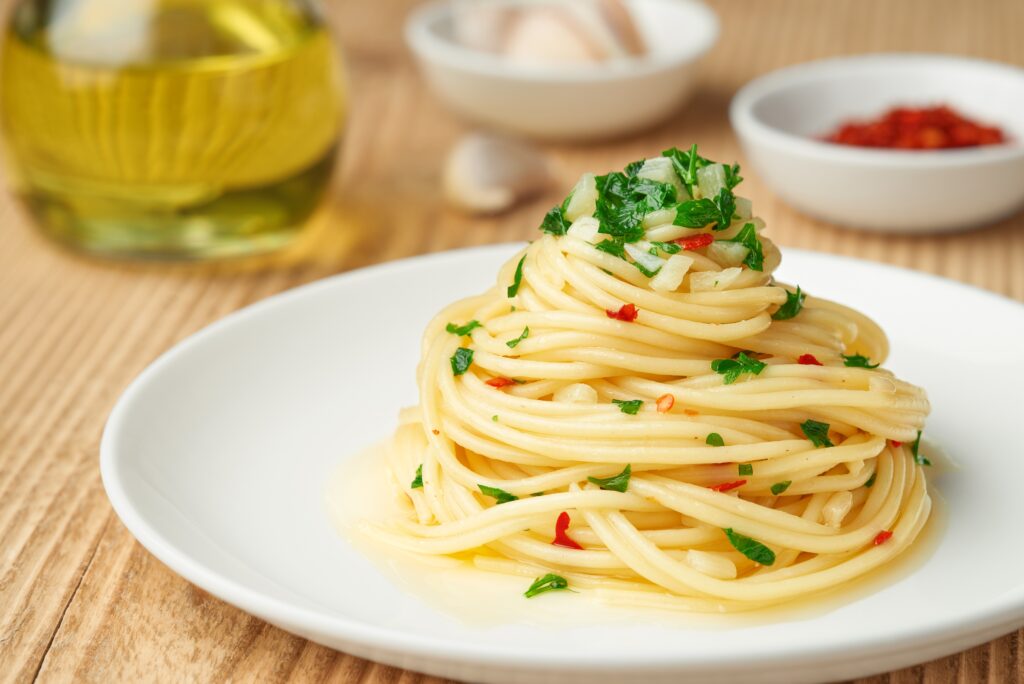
81	600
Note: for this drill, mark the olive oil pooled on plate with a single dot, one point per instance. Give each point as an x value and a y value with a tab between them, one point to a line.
170	128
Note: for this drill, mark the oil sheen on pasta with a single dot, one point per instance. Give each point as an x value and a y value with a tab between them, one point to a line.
171	127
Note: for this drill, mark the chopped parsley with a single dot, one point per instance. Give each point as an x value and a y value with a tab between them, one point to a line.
686	165
733	368
857	361
646	271
633	168
500	494
630	406
517	279
461	360
417	481
512	343
732	176
623	201
549	582
871	480
715	439
751	548
668	247
918	458
780	487
618	483
613	247
555	222
794	302
495	417
755	254
746	469
462	330
817	433
706	211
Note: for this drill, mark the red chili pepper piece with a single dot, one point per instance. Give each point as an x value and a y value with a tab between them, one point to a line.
561	538
627	313
808	360
896	444
665	403
726	486
882	537
695	241
928	128
500	382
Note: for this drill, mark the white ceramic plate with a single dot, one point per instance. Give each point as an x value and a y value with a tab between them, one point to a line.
217	458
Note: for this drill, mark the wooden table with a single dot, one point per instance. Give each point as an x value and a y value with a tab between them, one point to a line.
80	599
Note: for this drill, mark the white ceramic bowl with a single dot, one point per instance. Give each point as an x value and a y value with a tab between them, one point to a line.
779	117
568	102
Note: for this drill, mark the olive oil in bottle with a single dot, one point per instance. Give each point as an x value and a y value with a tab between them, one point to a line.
170	128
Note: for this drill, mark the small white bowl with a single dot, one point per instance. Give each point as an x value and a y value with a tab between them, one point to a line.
781	117
568	102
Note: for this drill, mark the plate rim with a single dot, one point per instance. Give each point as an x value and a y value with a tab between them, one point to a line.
372	641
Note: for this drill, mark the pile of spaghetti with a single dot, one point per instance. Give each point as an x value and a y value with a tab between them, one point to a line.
638	409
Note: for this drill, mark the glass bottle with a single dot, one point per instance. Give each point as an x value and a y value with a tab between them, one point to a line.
179	129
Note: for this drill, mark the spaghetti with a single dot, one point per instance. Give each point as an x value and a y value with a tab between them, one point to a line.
638	409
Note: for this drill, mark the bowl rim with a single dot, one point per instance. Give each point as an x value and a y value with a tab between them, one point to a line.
428	46
748	125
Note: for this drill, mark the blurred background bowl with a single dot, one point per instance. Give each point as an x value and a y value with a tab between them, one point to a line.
568	101
780	119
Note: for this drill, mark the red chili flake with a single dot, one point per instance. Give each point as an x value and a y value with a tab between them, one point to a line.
627	313
561	538
500	382
691	412
665	403
695	241
726	486
882	537
895	443
927	128
436	432
808	360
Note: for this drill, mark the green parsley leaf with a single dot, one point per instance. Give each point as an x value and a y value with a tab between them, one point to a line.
686	165
715	439
549	582
794	302
817	433
512	343
667	247
461	360
618	483
733	368
537	494
517	279
462	330
918	458
755	254
871	480
495	417
752	549
633	168
418	480
630	406
623	201
613	247
780	487
646	271
706	211
732	176
500	494
857	361
746	469
555	222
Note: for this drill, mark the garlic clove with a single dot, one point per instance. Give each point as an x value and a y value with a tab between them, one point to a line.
488	174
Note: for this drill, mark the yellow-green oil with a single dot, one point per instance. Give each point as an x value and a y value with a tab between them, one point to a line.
170	128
